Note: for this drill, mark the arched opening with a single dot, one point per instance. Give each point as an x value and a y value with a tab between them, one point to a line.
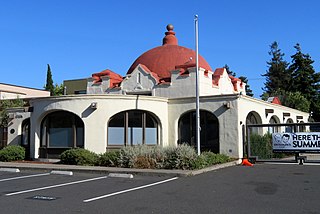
209	134
274	129
301	128
289	128
134	127
254	118
25	137
60	131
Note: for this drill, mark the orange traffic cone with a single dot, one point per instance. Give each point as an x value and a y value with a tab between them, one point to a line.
245	162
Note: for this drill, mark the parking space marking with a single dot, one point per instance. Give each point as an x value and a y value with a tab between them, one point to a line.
287	163
22	177
129	190
55	186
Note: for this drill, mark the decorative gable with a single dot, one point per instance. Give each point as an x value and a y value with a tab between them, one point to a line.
221	79
141	80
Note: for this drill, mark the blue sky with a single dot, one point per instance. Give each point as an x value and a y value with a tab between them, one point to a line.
81	37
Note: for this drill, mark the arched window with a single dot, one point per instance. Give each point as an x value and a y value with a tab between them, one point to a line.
25	137
209	134
273	129
252	119
289	128
301	128
61	130
133	127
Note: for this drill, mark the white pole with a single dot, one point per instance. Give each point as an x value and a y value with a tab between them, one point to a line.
197	87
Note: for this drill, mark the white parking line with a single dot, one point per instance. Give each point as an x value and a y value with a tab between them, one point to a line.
129	190
55	186
286	163
22	177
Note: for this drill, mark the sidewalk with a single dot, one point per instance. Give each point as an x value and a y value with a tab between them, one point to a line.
99	169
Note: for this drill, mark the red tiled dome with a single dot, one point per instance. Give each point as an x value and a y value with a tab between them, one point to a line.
163	59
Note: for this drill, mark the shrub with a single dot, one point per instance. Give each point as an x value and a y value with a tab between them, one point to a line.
213	158
179	157
79	156
199	162
110	159
208	159
146	157
12	153
144	162
130	155
261	146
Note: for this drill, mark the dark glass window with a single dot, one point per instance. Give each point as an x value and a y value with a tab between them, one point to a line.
62	130
209	134
132	128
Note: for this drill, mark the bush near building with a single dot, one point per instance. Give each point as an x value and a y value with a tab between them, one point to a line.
261	146
12	153
146	157
79	156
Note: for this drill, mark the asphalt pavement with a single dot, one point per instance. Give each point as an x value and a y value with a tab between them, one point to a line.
45	166
262	188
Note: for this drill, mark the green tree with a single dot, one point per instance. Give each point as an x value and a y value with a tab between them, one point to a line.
229	71
290	99
55	89
4	105
249	92
303	76
49	82
305	79
242	78
58	90
277	75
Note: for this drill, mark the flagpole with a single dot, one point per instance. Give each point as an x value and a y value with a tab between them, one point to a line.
197	87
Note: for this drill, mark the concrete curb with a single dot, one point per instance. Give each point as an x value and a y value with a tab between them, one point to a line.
9	170
107	170
120	175
59	172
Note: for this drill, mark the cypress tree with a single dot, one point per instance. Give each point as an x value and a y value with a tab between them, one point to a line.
49	82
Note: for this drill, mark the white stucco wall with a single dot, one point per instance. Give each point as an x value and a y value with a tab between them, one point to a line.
181	85
16	118
260	107
249	104
229	138
95	120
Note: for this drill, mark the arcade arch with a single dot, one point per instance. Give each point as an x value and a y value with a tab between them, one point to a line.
209	135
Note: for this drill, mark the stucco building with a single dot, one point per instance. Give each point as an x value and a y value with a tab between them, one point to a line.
8	91
154	104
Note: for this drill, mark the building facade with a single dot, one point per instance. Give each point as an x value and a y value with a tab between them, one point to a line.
154	104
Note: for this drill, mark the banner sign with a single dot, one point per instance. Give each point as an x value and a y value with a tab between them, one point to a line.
296	142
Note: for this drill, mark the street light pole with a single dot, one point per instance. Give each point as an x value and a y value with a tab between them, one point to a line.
197	87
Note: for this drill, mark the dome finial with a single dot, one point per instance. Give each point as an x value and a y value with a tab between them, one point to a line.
170	27
170	38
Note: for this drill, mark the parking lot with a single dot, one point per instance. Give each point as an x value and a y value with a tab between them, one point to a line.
264	188
34	192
